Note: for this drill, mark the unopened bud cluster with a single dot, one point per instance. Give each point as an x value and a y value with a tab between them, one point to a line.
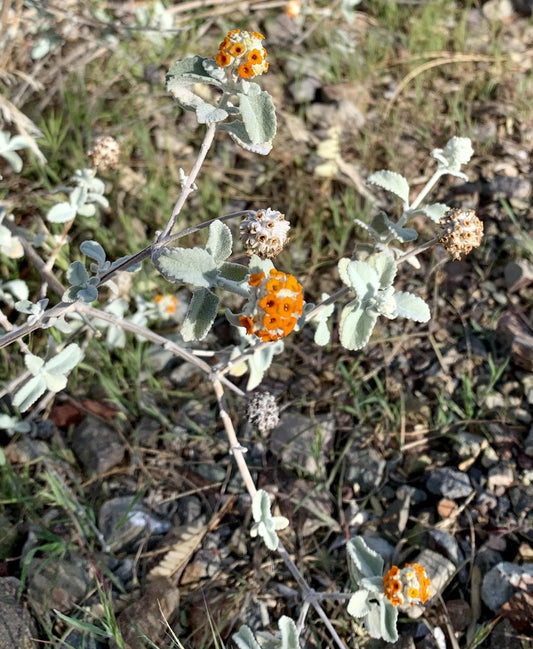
263	412
410	585
264	233
243	51
461	231
104	153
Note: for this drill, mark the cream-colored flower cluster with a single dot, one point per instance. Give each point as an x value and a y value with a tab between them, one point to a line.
461	231
264	233
104	153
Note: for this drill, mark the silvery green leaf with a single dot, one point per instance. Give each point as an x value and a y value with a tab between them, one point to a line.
389	619
18	288
93	250
258	265
190	71
435	211
372	584
188	265
28	394
25	306
95	186
61	213
411	306
322	334
13	159
386	268
87	210
54	382
289	633
280	522
358	606
33	363
404	234
42	47
356	326
362	561
220	242
77	274
233	272
360	276
78	196
245	639
260	505
88	293
130	269
65	361
115	337
458	151
71	294
201	314
391	182
261	361
186	98
18	142
208	114
214	70
259	117
239	135
14	425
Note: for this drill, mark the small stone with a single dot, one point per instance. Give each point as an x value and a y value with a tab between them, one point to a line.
447	508
97	446
449	483
445	543
440	571
460	614
528	444
489	457
468	445
502	581
17	628
381	546
302	442
125	520
500	475
58	584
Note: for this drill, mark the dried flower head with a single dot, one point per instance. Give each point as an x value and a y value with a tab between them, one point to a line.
263	412
243	51
104	153
275	305
264	233
166	304
461	231
410	585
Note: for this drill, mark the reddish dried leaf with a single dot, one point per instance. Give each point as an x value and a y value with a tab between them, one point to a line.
65	414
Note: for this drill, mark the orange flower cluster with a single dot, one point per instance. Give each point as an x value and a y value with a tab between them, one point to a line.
409	585
167	302
278	305
244	51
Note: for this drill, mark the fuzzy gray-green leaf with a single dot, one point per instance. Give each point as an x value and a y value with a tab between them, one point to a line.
392	182
233	272
220	242
61	213
356	326
245	639
289	633
385	266
65	361
201	314
77	274
411	306
259	116
239	134
208	114
28	394
435	211
189	71
362	561
186	265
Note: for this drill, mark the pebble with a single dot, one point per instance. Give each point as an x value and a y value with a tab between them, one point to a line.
500	475
17	629
502	581
446	543
449	483
296	437
468	445
528	444
58	584
97	446
125	520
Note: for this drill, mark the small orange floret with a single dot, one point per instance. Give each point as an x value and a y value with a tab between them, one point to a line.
254	57
247	323
269	303
237	49
233	32
158	299
222	59
256	279
246	71
258	35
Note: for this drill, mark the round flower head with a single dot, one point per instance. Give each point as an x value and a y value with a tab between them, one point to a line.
244	53
263	412
104	153
275	306
264	233
461	231
410	585
166	305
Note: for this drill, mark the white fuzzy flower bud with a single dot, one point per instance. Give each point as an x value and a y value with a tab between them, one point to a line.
263	412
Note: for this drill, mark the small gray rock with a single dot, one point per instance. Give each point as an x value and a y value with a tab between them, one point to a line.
98	447
58	584
449	483
124	521
500	475
364	468
502	581
17	628
447	544
468	445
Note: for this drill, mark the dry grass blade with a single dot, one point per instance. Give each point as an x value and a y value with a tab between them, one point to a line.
189	539
25	126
